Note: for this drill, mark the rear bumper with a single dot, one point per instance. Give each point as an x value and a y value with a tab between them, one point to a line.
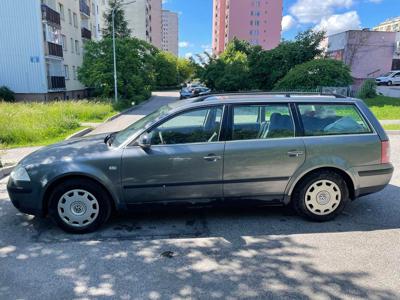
373	179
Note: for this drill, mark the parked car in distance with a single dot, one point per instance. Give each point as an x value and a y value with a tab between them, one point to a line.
313	152
390	78
193	91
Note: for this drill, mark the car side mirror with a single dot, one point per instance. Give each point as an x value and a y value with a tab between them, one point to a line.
144	141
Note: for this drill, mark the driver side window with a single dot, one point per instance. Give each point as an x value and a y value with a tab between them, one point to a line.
195	126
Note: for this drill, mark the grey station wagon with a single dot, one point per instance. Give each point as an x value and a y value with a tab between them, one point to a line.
313	152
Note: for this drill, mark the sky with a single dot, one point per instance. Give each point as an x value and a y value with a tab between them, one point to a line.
195	27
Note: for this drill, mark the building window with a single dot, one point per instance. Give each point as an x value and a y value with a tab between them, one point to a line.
75	17
74	72
61	9
66	72
70	16
72	45
77	47
64	42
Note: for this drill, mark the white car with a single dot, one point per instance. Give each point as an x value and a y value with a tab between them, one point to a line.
390	78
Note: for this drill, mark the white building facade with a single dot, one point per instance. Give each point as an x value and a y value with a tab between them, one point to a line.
170	32
41	45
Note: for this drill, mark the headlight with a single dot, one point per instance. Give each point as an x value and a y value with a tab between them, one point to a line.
19	174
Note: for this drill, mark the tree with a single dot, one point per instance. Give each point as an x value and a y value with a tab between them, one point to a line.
135	67
316	73
186	70
121	25
166	69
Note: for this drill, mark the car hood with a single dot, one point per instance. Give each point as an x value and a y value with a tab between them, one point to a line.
67	151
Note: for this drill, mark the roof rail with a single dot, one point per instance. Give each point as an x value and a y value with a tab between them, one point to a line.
286	94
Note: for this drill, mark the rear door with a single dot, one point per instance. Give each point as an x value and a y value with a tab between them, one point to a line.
261	151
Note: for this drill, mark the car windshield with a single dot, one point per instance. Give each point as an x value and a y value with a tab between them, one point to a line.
145	122
387	74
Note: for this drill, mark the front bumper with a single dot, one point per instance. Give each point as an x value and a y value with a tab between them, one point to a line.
25	197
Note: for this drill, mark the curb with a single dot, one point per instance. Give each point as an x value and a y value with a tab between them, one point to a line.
393	132
80	133
6	171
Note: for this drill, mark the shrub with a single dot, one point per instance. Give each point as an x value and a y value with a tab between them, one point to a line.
316	73
6	94
367	90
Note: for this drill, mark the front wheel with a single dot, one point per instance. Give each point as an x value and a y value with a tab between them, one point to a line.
79	206
321	196
390	83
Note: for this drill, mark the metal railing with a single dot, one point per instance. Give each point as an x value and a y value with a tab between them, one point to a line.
50	15
54	50
86	33
56	82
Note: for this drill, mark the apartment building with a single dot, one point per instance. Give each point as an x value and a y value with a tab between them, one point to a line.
256	21
144	20
170	32
391	25
41	46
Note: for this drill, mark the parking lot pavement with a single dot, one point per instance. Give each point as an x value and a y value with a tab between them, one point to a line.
209	253
390	91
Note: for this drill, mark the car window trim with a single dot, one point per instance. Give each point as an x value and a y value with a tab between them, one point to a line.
169	117
360	112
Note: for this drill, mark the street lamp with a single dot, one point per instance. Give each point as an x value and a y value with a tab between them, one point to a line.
114	54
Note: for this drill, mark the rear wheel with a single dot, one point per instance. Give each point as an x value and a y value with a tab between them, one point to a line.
321	196
79	206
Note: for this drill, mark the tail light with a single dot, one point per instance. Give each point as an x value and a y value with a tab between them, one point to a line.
385	152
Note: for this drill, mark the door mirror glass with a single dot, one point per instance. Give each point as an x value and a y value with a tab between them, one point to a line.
144	141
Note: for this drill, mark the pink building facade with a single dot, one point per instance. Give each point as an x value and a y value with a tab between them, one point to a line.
256	21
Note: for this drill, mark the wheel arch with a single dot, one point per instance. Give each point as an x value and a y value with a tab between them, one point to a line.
344	174
51	186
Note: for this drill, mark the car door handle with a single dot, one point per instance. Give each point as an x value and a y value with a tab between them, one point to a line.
295	153
212	157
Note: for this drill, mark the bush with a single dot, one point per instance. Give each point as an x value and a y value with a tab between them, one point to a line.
316	73
6	94
367	90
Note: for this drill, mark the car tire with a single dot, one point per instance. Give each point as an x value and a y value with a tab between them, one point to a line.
320	196
390	83
79	205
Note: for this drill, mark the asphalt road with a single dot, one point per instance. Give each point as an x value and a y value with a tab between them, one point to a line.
209	254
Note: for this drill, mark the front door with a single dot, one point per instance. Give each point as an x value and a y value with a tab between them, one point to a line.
262	153
184	162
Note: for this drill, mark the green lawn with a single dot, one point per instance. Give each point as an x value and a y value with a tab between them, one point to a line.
385	108
29	124
392	126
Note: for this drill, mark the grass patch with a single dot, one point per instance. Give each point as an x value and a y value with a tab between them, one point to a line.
384	108
392	126
28	124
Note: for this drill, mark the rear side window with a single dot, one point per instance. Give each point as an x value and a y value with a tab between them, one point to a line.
332	119
269	121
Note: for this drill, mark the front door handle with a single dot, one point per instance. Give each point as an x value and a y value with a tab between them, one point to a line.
295	153
212	157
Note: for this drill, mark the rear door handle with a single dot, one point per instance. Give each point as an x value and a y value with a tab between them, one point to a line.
295	153
212	157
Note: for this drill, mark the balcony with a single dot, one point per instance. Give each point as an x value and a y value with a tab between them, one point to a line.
84	8
56	82
86	33
54	50
50	15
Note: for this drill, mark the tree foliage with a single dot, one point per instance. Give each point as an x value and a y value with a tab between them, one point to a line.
256	68
367	90
121	25
6	94
316	73
135	68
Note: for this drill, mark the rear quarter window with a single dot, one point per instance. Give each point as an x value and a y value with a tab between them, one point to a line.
332	119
